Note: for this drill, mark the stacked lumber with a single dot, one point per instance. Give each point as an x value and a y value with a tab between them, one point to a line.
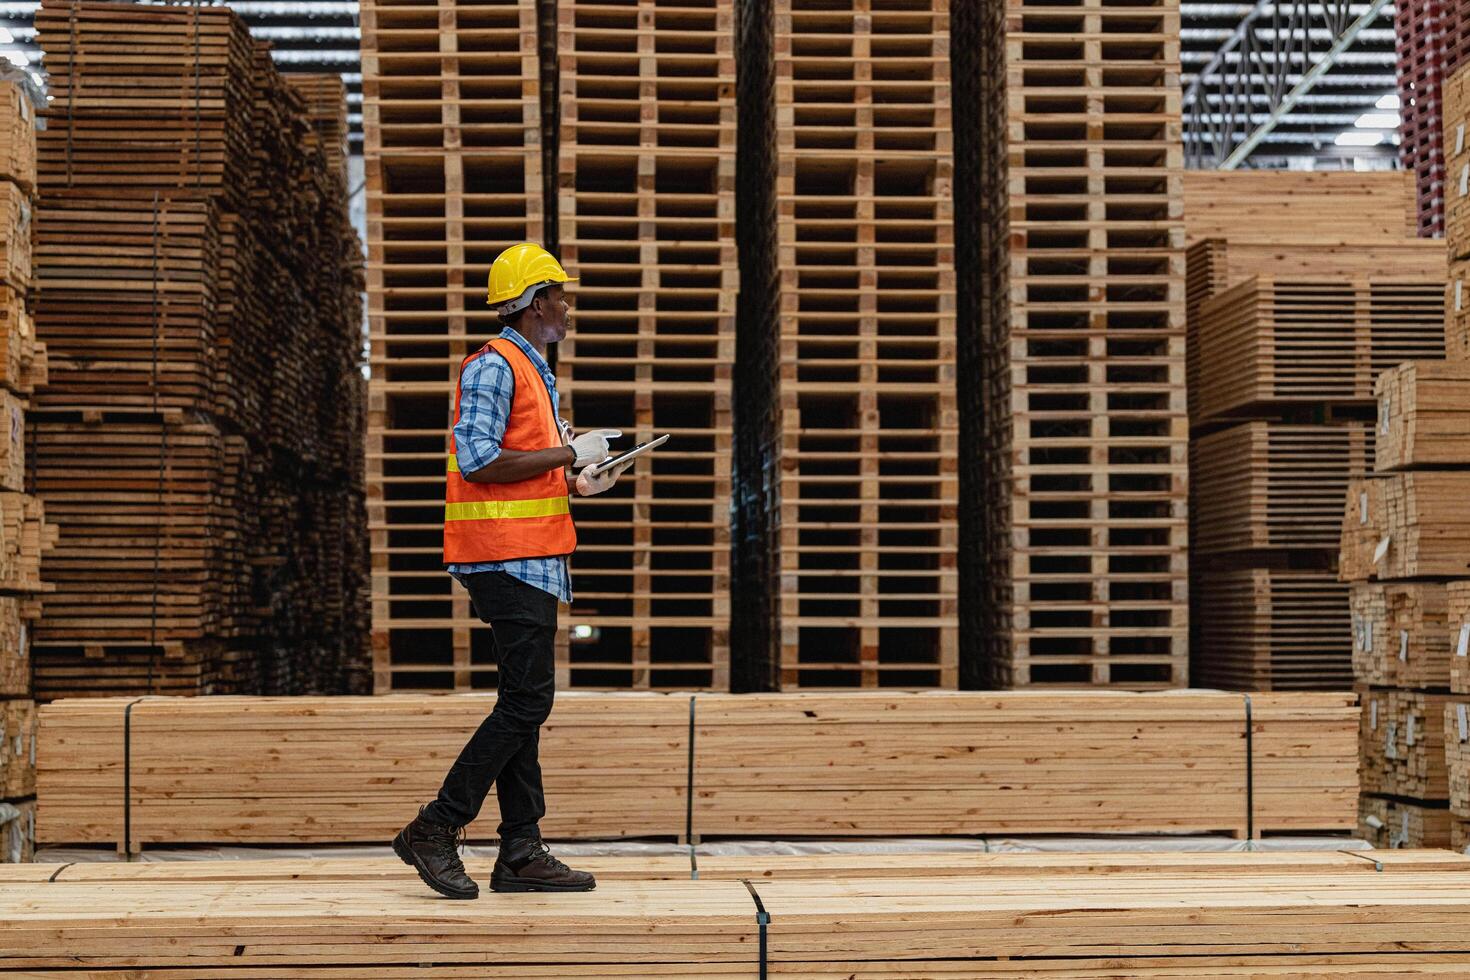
1299	291
1402	745
242	770
1423	416
1399	635
1071	153
1457	710
1389	823
646	211
24	534
1001	917
453	155
1428	45
191	205
1456	90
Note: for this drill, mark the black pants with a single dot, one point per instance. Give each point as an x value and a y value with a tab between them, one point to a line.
504	748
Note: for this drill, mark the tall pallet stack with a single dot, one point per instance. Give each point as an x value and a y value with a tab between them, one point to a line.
1431	41
1297	296
866	423
23	536
215	543
452	124
1083	440
646	216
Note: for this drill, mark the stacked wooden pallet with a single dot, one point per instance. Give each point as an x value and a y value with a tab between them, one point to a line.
985	917
1298	293
1428	45
1456	208
1078	367
189	204
244	770
862	452
452	122
646	212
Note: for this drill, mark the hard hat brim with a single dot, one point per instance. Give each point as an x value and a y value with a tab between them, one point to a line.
523	300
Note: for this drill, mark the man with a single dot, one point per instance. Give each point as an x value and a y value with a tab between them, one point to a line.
507	535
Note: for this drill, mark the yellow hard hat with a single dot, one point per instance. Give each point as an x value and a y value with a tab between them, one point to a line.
518	272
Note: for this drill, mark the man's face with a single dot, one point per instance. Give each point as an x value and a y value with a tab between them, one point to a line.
556	312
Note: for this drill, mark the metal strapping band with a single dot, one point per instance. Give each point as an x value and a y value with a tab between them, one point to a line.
162	462
128	780
57	873
762	919
1250	775
689	797
198	114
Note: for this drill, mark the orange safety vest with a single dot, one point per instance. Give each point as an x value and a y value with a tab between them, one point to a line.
503	521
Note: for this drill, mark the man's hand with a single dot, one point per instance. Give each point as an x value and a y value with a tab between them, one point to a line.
591	447
591	484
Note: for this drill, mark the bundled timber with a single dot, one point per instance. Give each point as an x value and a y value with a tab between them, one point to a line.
1271	629
1081	587
15	645
1457	754
1390	823
1423	416
18	831
453	156
1274	342
1364	522
1272	485
1402	744
1400	636
1457	601
1456	173
1457	311
1426	531
1301	208
17	749
244	769
653	348
1344	916
17	137
191	202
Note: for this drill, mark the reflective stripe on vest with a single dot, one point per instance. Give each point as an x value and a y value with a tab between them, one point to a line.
503	510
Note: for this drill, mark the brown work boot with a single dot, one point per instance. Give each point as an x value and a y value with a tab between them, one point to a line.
527	866
433	850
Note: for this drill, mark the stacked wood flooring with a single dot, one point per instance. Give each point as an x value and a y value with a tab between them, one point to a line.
190	202
646	220
246	769
1076	415
1340	915
1301	288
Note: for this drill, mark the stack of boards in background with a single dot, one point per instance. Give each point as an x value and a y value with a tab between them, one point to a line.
195	202
1302	287
1431	41
1077	472
24	535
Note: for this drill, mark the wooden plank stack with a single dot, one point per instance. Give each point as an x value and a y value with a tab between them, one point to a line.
24	534
1080	453
242	770
1457	711
646	212
453	151
1298	292
188	203
977	917
863	444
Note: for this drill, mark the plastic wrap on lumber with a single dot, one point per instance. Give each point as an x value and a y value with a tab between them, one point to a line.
241	769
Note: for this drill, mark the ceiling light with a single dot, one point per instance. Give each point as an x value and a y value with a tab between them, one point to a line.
1378	120
1389	101
1359	138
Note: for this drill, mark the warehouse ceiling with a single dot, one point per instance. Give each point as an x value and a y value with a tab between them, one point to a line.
1326	128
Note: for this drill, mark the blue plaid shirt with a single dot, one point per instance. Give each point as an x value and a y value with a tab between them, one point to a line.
485	391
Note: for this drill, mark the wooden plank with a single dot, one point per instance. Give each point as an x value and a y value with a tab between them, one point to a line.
1299	208
1423	416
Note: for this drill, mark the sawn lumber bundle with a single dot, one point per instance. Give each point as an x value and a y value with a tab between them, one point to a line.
245	769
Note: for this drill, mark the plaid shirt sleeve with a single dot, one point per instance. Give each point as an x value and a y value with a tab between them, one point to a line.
485	391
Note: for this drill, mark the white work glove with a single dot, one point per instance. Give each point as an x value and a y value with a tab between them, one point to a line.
590	484
591	447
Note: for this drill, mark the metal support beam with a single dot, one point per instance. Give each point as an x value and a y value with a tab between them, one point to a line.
1304	85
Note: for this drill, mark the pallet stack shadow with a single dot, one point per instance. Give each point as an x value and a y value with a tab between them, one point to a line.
24	536
646	214
1288	325
1082	421
215	543
453	156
